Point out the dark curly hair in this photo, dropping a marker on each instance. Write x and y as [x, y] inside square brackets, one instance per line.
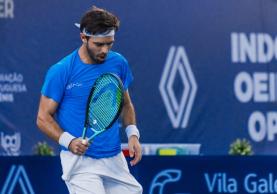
[97, 20]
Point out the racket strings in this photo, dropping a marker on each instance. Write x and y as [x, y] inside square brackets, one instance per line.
[100, 122]
[103, 110]
[106, 102]
[95, 118]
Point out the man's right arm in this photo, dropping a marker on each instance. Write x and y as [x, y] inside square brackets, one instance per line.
[48, 125]
[45, 118]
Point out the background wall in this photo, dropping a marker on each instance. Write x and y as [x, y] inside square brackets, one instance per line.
[205, 71]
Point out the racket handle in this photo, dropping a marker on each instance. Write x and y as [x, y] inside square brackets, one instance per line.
[68, 170]
[84, 141]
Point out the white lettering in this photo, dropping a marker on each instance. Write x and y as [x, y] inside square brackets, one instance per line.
[262, 126]
[13, 88]
[11, 77]
[257, 126]
[272, 125]
[253, 47]
[265, 48]
[243, 87]
[6, 9]
[260, 87]
[6, 97]
[234, 48]
[247, 48]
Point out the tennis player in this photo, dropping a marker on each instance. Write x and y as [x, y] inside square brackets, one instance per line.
[102, 168]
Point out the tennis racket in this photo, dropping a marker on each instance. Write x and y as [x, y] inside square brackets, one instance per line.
[103, 108]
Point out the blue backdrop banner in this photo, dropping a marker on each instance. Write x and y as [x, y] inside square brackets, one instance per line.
[157, 175]
[205, 71]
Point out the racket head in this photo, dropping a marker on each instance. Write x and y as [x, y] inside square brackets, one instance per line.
[104, 103]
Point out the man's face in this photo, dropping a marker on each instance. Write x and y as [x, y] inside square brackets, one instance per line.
[99, 47]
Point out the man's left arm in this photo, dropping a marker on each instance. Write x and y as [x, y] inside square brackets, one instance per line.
[129, 122]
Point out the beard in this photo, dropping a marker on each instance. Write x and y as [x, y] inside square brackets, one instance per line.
[93, 56]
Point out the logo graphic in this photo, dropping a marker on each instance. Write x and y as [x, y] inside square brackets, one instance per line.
[164, 177]
[11, 144]
[177, 62]
[72, 85]
[17, 174]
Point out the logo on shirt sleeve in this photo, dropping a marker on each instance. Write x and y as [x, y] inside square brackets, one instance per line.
[73, 85]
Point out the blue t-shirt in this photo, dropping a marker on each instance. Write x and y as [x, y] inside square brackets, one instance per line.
[69, 83]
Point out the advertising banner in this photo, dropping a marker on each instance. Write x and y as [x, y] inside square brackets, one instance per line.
[204, 71]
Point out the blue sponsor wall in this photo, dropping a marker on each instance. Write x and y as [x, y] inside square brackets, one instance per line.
[205, 71]
[157, 175]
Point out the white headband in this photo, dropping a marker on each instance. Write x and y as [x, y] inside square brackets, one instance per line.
[107, 33]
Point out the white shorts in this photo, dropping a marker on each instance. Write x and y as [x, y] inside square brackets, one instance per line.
[100, 176]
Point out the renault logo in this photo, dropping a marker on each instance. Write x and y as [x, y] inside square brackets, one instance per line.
[178, 111]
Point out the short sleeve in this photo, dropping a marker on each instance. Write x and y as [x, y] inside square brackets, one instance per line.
[127, 76]
[55, 82]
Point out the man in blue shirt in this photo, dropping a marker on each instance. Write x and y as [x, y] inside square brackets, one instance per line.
[102, 168]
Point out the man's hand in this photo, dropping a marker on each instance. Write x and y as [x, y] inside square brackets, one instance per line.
[78, 146]
[134, 149]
